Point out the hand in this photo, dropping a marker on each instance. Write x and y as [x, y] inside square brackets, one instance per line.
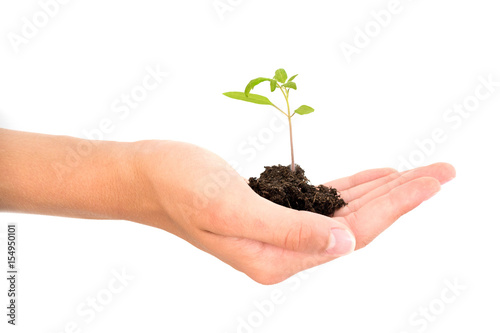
[377, 198]
[197, 196]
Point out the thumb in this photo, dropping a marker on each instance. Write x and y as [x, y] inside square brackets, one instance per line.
[299, 231]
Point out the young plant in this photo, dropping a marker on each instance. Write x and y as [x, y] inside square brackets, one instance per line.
[278, 81]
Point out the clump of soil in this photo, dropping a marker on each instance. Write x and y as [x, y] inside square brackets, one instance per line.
[292, 189]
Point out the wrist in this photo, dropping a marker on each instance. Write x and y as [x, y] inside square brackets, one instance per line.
[161, 189]
[135, 202]
[145, 178]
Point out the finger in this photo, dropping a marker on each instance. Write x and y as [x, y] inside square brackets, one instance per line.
[264, 263]
[370, 220]
[301, 231]
[442, 172]
[356, 192]
[359, 178]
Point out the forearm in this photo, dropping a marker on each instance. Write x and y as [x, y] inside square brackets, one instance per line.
[65, 176]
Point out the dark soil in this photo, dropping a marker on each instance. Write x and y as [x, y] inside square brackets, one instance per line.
[292, 189]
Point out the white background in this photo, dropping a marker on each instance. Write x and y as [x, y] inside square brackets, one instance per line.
[369, 113]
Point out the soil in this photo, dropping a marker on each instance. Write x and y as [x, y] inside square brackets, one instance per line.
[292, 189]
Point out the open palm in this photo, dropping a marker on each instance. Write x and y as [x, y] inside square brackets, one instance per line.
[376, 199]
[266, 241]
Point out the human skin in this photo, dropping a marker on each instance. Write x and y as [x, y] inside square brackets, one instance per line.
[194, 194]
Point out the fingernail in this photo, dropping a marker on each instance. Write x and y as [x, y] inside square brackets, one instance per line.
[342, 242]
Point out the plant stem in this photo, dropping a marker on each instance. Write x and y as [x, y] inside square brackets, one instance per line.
[289, 116]
[291, 142]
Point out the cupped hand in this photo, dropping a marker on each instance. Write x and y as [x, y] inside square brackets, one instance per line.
[197, 196]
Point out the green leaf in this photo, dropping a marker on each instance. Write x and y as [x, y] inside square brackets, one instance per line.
[274, 83]
[290, 85]
[304, 109]
[280, 75]
[293, 77]
[253, 83]
[252, 98]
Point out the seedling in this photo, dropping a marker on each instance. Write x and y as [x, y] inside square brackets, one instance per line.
[278, 81]
[288, 186]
